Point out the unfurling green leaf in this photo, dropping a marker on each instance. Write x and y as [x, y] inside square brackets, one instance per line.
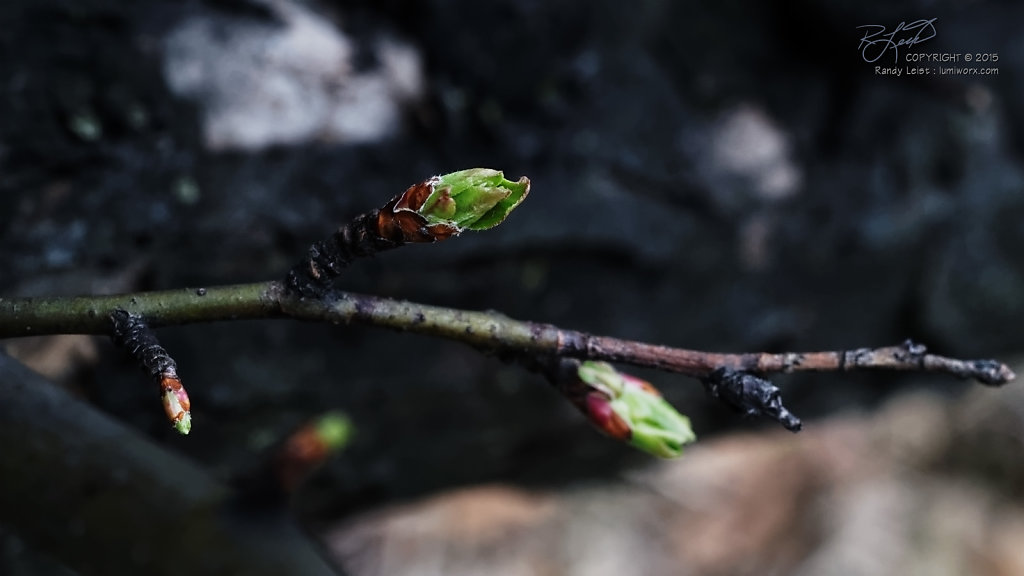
[474, 199]
[654, 425]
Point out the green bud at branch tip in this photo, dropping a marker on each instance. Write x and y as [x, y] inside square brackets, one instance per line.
[184, 424]
[474, 199]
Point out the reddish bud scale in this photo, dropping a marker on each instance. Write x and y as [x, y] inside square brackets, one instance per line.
[394, 225]
[399, 221]
[131, 332]
[430, 211]
[176, 402]
[599, 411]
[301, 453]
[641, 384]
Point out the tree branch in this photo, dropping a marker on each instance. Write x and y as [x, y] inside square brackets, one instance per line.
[493, 331]
[488, 331]
[431, 211]
[90, 314]
[131, 333]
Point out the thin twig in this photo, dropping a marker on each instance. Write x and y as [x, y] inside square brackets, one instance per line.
[484, 330]
[37, 316]
[131, 332]
[493, 331]
[433, 210]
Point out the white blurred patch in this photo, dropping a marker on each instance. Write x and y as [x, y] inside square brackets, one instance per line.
[261, 84]
[746, 143]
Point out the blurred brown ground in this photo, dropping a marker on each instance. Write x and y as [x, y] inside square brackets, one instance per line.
[924, 485]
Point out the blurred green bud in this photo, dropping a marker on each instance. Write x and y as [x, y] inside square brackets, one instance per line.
[334, 429]
[474, 199]
[307, 448]
[654, 426]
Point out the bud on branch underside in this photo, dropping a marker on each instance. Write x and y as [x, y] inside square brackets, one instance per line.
[630, 409]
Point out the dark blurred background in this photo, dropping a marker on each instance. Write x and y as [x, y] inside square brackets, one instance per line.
[718, 175]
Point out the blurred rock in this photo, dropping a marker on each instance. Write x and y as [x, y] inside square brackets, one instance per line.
[746, 143]
[473, 525]
[288, 80]
[59, 358]
[852, 494]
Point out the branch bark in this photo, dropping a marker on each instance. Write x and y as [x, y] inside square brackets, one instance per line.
[107, 474]
[488, 331]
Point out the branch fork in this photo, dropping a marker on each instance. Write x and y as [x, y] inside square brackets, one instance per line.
[436, 209]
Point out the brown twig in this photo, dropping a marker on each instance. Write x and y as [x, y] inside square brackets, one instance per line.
[492, 331]
[908, 356]
[131, 333]
[484, 330]
[378, 230]
[433, 210]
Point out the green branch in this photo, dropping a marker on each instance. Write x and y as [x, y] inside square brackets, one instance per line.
[487, 331]
[90, 314]
[434, 210]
